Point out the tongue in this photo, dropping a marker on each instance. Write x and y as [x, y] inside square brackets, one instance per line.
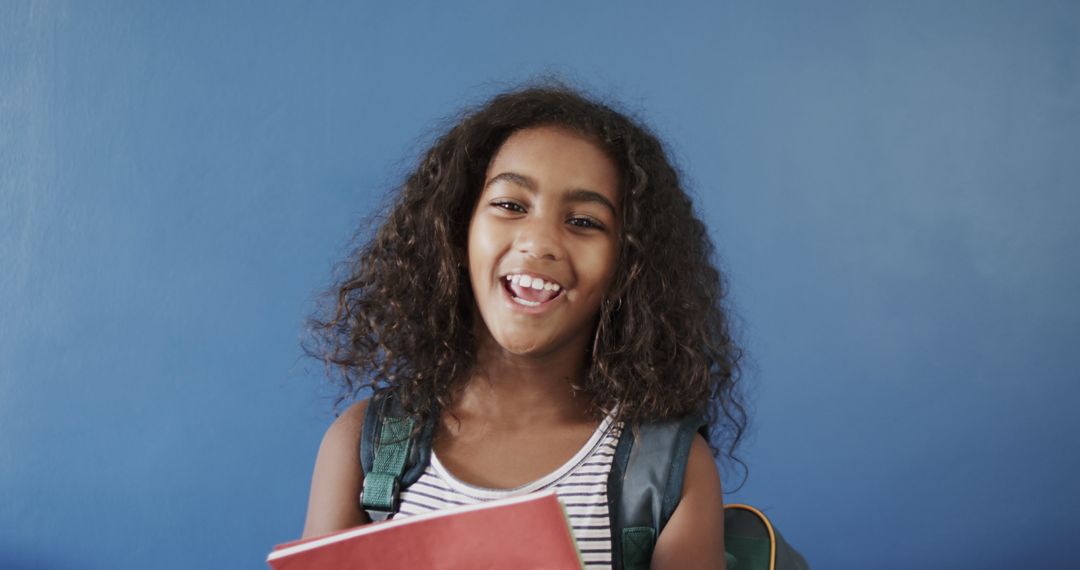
[534, 295]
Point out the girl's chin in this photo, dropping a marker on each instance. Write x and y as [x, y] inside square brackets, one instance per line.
[525, 344]
[522, 348]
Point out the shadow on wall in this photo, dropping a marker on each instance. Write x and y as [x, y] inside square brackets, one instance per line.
[15, 558]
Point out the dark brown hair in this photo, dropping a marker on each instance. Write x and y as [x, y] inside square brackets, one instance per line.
[400, 315]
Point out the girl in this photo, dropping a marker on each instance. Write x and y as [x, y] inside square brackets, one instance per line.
[540, 282]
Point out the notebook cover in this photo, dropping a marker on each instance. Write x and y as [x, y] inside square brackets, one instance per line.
[530, 531]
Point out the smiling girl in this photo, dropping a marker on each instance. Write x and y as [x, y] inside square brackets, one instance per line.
[540, 284]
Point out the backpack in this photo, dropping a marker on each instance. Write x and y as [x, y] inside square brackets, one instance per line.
[644, 487]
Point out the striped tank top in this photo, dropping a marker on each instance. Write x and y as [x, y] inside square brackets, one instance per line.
[581, 484]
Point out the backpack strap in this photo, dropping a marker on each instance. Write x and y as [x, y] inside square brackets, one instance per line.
[393, 454]
[753, 543]
[645, 486]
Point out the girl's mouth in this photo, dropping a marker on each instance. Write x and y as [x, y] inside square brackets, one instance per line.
[529, 300]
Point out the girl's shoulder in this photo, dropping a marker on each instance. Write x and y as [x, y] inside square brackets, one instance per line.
[347, 429]
[338, 478]
[344, 433]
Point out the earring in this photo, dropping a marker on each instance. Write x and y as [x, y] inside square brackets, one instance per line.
[596, 339]
[618, 305]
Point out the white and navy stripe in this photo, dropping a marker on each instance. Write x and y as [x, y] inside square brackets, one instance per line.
[581, 485]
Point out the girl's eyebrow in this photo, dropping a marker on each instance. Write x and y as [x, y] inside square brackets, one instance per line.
[574, 195]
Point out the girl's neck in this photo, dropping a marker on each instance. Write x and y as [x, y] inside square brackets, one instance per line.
[525, 389]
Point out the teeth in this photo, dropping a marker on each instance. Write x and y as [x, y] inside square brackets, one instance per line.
[533, 282]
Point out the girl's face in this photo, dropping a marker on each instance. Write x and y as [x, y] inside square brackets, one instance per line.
[548, 210]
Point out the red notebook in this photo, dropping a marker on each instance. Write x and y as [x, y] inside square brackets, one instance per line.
[530, 531]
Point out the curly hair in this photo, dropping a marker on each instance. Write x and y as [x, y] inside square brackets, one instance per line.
[401, 316]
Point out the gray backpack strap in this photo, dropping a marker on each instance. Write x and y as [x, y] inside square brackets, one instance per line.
[393, 454]
[645, 486]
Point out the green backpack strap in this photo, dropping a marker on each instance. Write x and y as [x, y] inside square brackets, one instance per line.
[645, 485]
[392, 454]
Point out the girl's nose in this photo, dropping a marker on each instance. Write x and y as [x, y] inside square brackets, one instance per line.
[540, 239]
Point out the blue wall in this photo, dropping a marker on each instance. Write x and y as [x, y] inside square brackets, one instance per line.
[893, 188]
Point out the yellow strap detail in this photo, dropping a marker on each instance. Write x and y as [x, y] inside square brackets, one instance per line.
[768, 525]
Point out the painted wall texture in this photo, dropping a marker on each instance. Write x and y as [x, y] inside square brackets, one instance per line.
[893, 188]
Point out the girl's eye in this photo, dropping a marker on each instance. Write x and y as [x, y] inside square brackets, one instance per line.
[586, 223]
[508, 206]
